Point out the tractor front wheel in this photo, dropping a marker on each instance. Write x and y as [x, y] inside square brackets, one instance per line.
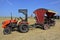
[6, 31]
[23, 28]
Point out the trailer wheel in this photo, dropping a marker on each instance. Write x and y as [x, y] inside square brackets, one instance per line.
[23, 28]
[46, 26]
[6, 31]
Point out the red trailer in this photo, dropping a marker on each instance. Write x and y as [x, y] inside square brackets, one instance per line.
[42, 20]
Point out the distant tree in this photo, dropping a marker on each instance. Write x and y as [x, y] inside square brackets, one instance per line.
[59, 17]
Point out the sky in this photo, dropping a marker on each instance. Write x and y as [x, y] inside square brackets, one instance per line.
[8, 6]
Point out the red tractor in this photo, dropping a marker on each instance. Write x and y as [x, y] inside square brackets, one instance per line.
[44, 21]
[22, 26]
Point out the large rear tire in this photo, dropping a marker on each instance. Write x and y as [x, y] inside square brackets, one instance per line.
[23, 28]
[7, 31]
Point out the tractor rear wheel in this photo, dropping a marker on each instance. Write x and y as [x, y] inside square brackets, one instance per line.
[23, 28]
[6, 31]
[46, 26]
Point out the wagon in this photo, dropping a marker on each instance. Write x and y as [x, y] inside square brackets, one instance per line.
[44, 18]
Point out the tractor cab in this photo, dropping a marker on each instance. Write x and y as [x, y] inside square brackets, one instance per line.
[24, 12]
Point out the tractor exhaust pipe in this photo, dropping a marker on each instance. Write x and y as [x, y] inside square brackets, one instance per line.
[11, 16]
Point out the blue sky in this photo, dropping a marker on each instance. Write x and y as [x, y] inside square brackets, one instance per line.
[8, 6]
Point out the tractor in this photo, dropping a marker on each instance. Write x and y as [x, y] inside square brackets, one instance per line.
[44, 18]
[21, 26]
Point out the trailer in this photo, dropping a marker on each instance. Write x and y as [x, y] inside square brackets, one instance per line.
[44, 21]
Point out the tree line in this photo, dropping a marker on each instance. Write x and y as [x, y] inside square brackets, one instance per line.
[57, 17]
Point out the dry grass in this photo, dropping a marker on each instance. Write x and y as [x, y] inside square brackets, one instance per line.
[36, 34]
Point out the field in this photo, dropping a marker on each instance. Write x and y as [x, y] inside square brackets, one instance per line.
[34, 33]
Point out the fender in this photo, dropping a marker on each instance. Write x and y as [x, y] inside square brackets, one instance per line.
[22, 22]
[6, 22]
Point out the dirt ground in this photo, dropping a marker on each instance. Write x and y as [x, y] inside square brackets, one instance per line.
[34, 34]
